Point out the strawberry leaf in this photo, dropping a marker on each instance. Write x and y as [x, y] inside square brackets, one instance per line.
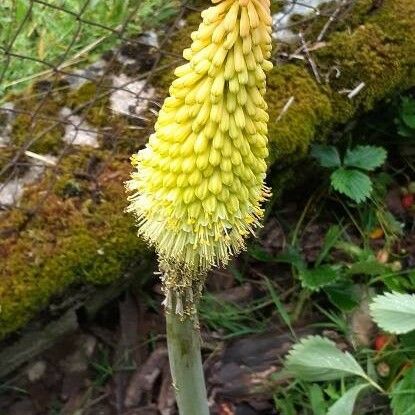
[352, 183]
[365, 157]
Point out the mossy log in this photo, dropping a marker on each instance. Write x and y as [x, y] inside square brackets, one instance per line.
[378, 53]
[70, 241]
[75, 239]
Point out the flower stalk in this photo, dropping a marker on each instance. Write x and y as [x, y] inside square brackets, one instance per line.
[186, 365]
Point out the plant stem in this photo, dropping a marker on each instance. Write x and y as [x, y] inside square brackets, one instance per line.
[183, 341]
[302, 299]
[375, 385]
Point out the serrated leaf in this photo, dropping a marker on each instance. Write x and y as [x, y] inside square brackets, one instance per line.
[319, 277]
[327, 156]
[365, 157]
[345, 405]
[403, 395]
[352, 183]
[317, 359]
[394, 312]
[342, 295]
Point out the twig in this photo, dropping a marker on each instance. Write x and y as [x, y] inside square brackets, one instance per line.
[309, 58]
[285, 108]
[43, 159]
[356, 90]
[331, 19]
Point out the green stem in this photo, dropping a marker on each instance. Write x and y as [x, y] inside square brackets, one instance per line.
[302, 298]
[375, 385]
[183, 341]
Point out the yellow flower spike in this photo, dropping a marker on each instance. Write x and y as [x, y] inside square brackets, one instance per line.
[199, 183]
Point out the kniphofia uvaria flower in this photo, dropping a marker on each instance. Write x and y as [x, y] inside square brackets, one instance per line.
[199, 183]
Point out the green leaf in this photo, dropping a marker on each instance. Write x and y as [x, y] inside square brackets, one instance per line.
[370, 267]
[285, 405]
[332, 236]
[408, 112]
[21, 10]
[327, 156]
[365, 157]
[352, 250]
[394, 312]
[345, 405]
[259, 253]
[390, 223]
[352, 183]
[409, 120]
[317, 359]
[405, 131]
[407, 341]
[403, 395]
[317, 402]
[279, 305]
[319, 277]
[342, 295]
[293, 257]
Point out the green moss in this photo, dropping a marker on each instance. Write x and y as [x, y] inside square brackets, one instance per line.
[6, 155]
[91, 99]
[36, 122]
[81, 234]
[276, 6]
[66, 183]
[70, 241]
[309, 113]
[380, 53]
[82, 96]
[349, 20]
[128, 138]
[359, 13]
